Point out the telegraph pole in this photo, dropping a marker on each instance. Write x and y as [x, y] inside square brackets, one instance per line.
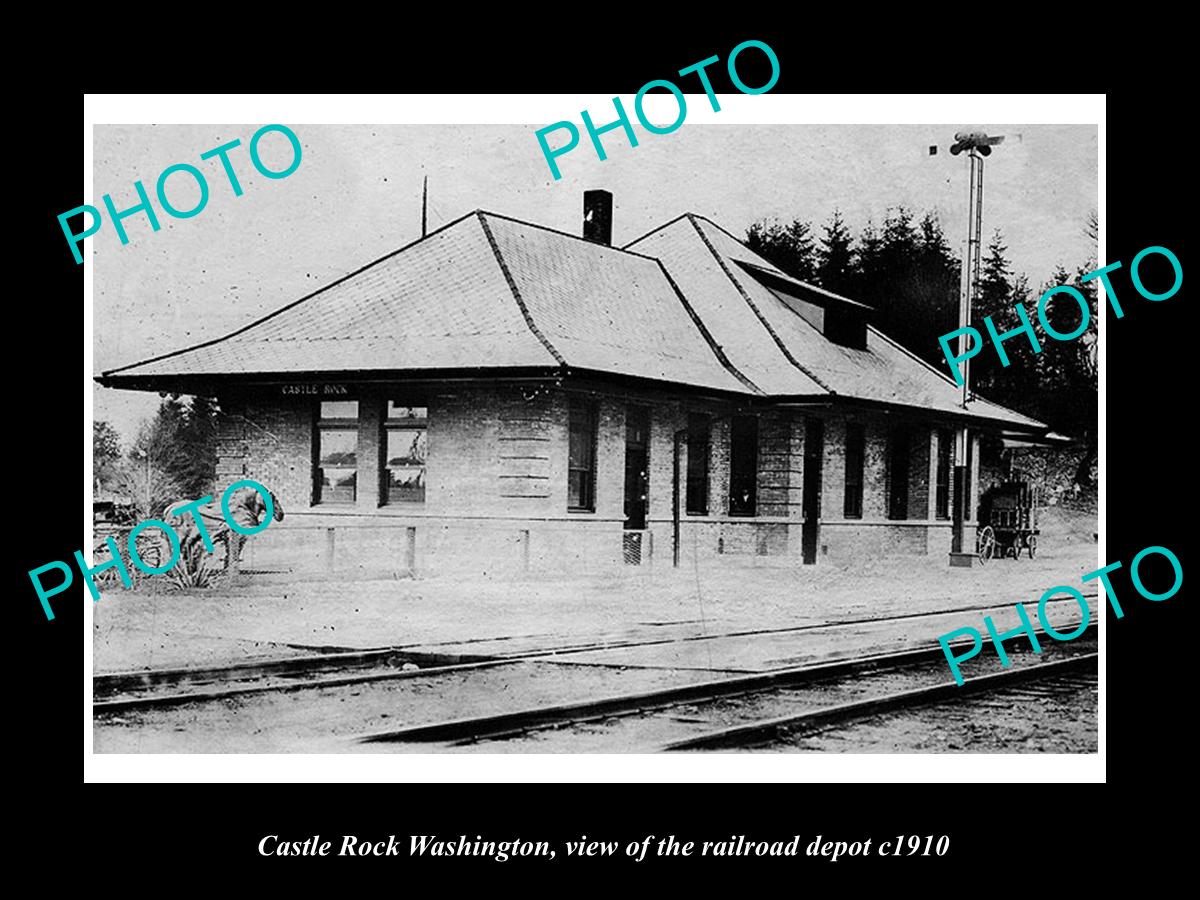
[978, 145]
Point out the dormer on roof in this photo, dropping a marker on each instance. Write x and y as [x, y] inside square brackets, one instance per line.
[839, 319]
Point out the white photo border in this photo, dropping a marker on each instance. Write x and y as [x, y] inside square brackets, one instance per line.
[490, 109]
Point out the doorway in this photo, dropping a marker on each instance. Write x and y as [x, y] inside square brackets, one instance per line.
[637, 470]
[637, 482]
[814, 453]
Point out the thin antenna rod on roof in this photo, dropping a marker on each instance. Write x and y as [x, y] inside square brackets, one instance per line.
[424, 205]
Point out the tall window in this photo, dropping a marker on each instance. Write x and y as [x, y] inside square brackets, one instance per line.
[743, 466]
[581, 457]
[404, 451]
[852, 506]
[898, 452]
[942, 509]
[335, 475]
[697, 464]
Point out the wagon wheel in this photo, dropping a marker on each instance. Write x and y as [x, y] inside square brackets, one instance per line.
[1032, 545]
[150, 550]
[985, 544]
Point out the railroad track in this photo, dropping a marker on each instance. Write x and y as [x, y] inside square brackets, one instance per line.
[164, 688]
[278, 681]
[787, 727]
[737, 711]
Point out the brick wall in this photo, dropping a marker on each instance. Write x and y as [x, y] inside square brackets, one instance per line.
[665, 420]
[875, 470]
[919, 485]
[270, 442]
[833, 471]
[496, 487]
[846, 540]
[779, 468]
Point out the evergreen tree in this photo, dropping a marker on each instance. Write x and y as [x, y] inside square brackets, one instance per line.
[907, 272]
[178, 449]
[835, 257]
[106, 444]
[157, 453]
[995, 297]
[939, 276]
[1085, 377]
[909, 277]
[198, 468]
[866, 273]
[1058, 385]
[803, 249]
[790, 247]
[995, 280]
[1062, 313]
[899, 235]
[1067, 371]
[106, 455]
[1020, 292]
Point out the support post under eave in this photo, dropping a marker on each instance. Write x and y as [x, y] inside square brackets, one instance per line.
[960, 556]
[679, 435]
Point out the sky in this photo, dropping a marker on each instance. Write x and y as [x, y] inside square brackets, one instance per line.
[356, 196]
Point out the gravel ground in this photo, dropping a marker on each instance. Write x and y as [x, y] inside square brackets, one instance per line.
[936, 727]
[328, 719]
[1049, 717]
[263, 620]
[325, 720]
[138, 631]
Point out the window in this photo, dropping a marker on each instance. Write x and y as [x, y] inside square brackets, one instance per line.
[852, 505]
[743, 466]
[697, 464]
[581, 457]
[942, 510]
[335, 476]
[404, 448]
[898, 474]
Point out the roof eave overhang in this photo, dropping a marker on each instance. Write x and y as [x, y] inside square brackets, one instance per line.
[1035, 430]
[1013, 439]
[584, 377]
[216, 383]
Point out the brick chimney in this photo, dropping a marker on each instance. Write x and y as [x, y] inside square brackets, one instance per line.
[597, 216]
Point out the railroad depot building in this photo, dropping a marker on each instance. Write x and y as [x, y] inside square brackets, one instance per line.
[503, 397]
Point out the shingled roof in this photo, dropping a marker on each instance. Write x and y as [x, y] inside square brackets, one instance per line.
[780, 349]
[484, 292]
[487, 293]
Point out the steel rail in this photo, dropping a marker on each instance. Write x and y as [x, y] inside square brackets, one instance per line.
[510, 724]
[104, 686]
[768, 730]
